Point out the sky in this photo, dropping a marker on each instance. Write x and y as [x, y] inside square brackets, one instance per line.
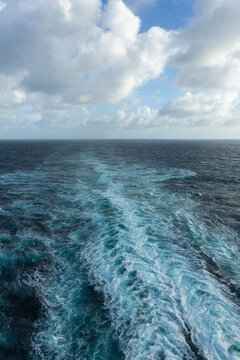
[85, 69]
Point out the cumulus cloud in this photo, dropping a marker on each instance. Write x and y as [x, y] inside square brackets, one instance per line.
[189, 110]
[83, 51]
[62, 55]
[210, 47]
[201, 109]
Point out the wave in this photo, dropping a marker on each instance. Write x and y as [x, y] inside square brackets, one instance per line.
[146, 257]
[119, 267]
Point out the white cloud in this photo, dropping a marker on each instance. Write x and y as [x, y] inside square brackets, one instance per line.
[10, 94]
[20, 96]
[61, 56]
[66, 7]
[210, 55]
[2, 5]
[80, 50]
[14, 108]
[190, 110]
[201, 109]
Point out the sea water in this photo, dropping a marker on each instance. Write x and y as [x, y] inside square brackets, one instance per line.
[119, 250]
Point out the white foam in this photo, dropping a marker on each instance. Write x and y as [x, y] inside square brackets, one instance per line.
[156, 288]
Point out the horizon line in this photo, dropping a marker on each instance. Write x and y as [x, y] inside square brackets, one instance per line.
[120, 139]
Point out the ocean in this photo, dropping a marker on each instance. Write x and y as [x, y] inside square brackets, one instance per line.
[115, 250]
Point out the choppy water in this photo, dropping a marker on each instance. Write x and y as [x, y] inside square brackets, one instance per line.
[120, 250]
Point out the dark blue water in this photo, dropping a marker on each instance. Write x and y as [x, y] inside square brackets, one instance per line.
[120, 250]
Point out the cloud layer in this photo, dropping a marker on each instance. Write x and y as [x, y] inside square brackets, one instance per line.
[59, 56]
[189, 110]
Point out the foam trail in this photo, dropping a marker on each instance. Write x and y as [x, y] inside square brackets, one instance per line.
[76, 324]
[162, 301]
[49, 309]
[123, 268]
[104, 259]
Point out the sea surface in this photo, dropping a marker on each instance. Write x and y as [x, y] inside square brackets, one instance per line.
[113, 250]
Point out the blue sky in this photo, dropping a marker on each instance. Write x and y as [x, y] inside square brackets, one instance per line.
[168, 14]
[115, 69]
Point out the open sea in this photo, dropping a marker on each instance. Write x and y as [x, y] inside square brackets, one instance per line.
[114, 250]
